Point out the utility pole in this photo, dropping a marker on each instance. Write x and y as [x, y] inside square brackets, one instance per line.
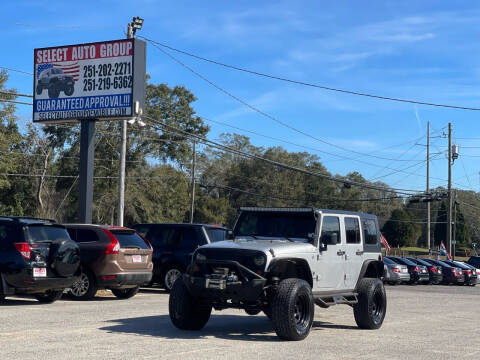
[131, 29]
[454, 241]
[428, 184]
[449, 190]
[192, 199]
[123, 151]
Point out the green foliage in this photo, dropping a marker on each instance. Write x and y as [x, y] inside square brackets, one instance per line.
[401, 230]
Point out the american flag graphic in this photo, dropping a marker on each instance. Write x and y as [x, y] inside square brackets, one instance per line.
[71, 68]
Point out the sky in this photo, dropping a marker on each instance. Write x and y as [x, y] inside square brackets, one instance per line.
[426, 51]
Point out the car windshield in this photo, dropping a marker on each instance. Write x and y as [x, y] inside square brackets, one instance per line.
[45, 233]
[404, 261]
[419, 261]
[294, 226]
[216, 234]
[440, 262]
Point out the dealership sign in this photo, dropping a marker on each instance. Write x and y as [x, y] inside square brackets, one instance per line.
[104, 80]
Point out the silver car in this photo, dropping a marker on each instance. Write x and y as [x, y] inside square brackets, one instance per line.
[395, 273]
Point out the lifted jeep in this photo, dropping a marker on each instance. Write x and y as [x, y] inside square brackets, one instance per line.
[282, 261]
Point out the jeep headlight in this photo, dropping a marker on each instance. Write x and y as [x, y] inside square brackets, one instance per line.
[200, 258]
[259, 260]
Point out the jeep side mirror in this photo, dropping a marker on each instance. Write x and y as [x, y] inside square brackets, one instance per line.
[323, 246]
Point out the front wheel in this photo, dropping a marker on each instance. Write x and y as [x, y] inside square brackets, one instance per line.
[293, 309]
[371, 308]
[186, 311]
[53, 92]
[49, 297]
[125, 293]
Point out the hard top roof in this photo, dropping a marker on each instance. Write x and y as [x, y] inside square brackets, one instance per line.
[306, 210]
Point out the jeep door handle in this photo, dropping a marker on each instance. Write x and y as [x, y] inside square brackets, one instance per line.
[359, 252]
[340, 252]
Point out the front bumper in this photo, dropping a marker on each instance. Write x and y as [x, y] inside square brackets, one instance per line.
[247, 288]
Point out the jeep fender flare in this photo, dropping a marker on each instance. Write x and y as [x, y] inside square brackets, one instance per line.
[371, 269]
[290, 267]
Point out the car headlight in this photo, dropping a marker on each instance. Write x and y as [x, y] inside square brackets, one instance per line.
[259, 260]
[200, 258]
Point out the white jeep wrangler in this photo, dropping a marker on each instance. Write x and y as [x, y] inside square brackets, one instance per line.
[282, 261]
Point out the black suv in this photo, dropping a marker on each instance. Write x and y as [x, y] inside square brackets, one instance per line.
[173, 247]
[55, 80]
[37, 257]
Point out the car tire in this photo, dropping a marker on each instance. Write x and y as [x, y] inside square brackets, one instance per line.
[69, 90]
[187, 312]
[268, 312]
[49, 297]
[85, 287]
[53, 92]
[293, 309]
[125, 293]
[170, 275]
[370, 310]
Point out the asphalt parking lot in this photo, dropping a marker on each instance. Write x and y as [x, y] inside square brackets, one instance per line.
[422, 322]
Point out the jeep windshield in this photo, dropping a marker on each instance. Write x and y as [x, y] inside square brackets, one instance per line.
[293, 226]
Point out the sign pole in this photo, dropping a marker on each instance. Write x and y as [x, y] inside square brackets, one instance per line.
[85, 199]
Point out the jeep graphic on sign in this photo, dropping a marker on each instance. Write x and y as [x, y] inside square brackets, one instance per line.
[55, 80]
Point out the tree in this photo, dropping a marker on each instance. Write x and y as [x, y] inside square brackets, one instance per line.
[400, 230]
[440, 234]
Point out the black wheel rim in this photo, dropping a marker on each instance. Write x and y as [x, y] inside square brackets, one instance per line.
[302, 313]
[377, 308]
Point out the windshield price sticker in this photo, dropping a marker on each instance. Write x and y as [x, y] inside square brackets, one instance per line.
[89, 81]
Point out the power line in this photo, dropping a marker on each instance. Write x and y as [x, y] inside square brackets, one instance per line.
[351, 92]
[16, 102]
[15, 94]
[276, 163]
[15, 70]
[251, 107]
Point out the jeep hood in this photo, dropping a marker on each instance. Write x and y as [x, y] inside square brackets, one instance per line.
[279, 246]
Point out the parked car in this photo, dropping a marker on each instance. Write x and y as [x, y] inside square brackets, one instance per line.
[470, 275]
[37, 257]
[474, 270]
[418, 273]
[434, 271]
[395, 273]
[173, 247]
[474, 261]
[451, 275]
[112, 257]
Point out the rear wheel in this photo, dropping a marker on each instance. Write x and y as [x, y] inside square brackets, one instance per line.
[293, 309]
[125, 293]
[186, 311]
[371, 308]
[171, 274]
[50, 296]
[69, 90]
[85, 287]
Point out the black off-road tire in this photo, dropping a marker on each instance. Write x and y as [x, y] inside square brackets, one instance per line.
[53, 92]
[371, 308]
[293, 309]
[49, 297]
[89, 285]
[125, 293]
[268, 312]
[186, 311]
